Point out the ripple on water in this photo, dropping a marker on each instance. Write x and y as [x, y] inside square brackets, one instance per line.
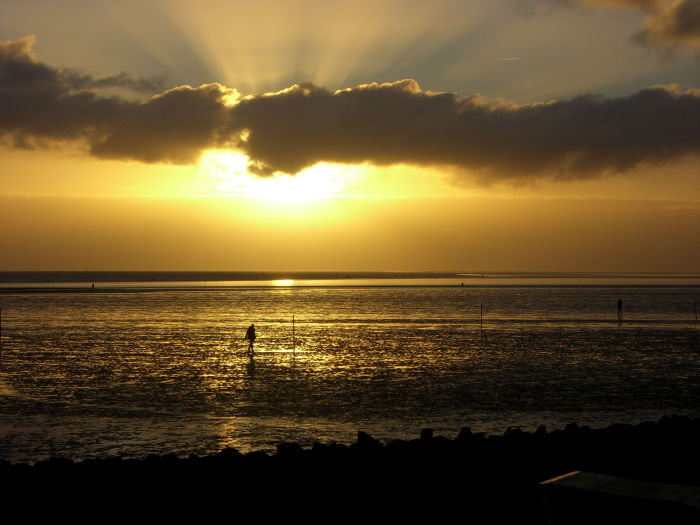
[139, 373]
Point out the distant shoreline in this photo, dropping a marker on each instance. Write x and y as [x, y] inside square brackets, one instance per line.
[103, 282]
[213, 276]
[170, 276]
[202, 289]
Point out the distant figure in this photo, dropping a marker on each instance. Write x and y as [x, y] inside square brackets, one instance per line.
[250, 337]
[619, 309]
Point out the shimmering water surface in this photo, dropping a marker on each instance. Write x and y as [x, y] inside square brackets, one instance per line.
[131, 372]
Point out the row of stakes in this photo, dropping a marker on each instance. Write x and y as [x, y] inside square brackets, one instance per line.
[481, 321]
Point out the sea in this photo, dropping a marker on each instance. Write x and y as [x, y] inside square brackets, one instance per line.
[128, 364]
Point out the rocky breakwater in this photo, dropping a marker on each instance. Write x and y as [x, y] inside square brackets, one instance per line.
[470, 479]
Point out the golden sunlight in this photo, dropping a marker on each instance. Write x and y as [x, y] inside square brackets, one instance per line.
[315, 183]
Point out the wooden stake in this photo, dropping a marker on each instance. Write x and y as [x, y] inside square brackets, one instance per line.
[481, 316]
[294, 339]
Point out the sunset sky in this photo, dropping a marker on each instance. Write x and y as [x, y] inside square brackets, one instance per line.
[543, 135]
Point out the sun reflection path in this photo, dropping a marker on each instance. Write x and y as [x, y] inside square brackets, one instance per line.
[318, 182]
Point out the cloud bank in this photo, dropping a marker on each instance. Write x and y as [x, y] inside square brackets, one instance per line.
[381, 124]
[398, 122]
[673, 25]
[40, 104]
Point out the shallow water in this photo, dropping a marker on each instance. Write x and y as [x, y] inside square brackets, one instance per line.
[131, 373]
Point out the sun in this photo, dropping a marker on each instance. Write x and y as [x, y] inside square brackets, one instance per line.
[320, 181]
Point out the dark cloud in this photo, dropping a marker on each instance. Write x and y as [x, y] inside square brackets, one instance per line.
[40, 104]
[381, 124]
[642, 5]
[674, 25]
[78, 80]
[540, 7]
[399, 123]
[19, 65]
[668, 24]
[175, 126]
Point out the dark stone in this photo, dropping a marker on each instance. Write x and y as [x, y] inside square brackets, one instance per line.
[60, 462]
[404, 481]
[464, 434]
[365, 440]
[229, 453]
[289, 450]
[513, 433]
[257, 455]
[338, 450]
[571, 428]
[397, 446]
[170, 459]
[319, 448]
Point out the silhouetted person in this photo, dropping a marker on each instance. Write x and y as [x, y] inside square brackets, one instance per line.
[619, 309]
[250, 337]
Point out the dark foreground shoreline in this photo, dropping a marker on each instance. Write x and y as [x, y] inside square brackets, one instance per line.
[469, 479]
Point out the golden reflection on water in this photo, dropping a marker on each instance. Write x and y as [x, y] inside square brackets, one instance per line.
[168, 371]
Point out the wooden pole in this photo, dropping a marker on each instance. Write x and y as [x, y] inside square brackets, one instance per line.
[481, 316]
[294, 339]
